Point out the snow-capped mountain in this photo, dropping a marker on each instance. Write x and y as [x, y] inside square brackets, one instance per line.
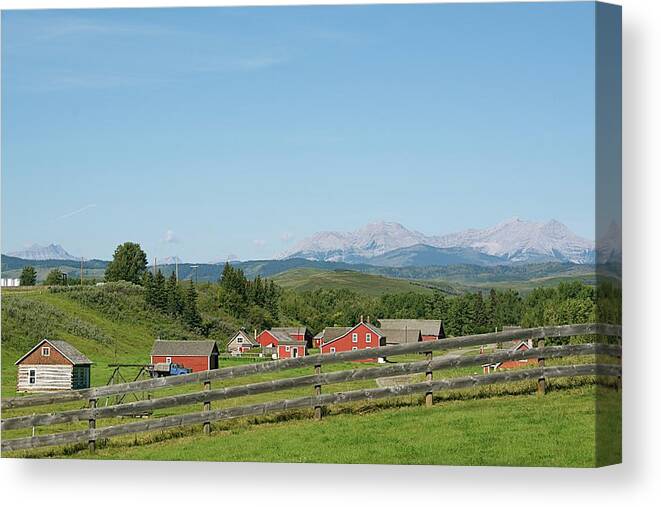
[42, 253]
[524, 241]
[372, 240]
[511, 241]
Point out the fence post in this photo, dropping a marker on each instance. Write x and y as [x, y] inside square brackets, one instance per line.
[92, 426]
[207, 408]
[618, 386]
[541, 382]
[429, 395]
[317, 392]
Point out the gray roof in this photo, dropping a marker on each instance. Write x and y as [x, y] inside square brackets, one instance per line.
[426, 327]
[292, 330]
[71, 352]
[284, 337]
[401, 335]
[183, 348]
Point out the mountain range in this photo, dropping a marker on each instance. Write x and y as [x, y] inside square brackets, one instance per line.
[42, 253]
[392, 244]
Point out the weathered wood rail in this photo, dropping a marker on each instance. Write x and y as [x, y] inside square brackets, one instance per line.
[319, 400]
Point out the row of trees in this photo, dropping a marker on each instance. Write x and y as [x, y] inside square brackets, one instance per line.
[168, 297]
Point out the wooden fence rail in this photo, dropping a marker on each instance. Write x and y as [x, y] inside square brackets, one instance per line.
[92, 435]
[207, 396]
[313, 361]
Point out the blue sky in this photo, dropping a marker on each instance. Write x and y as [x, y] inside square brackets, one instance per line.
[206, 133]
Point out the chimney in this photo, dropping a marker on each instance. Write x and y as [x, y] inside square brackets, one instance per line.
[368, 319]
[361, 318]
[255, 334]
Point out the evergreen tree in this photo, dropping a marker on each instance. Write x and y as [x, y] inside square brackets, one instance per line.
[191, 314]
[28, 276]
[160, 293]
[174, 298]
[148, 283]
[55, 277]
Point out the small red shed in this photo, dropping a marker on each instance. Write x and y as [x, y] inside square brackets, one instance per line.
[198, 355]
[516, 363]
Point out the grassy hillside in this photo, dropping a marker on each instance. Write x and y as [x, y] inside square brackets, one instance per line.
[304, 279]
[109, 324]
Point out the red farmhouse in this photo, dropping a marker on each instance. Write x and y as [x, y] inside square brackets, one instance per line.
[198, 355]
[282, 345]
[300, 334]
[362, 336]
[516, 363]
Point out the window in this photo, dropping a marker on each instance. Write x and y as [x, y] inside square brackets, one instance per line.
[168, 360]
[287, 348]
[368, 337]
[32, 376]
[354, 348]
[239, 339]
[45, 351]
[354, 337]
[332, 350]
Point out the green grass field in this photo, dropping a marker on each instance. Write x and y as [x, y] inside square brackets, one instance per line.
[305, 279]
[555, 430]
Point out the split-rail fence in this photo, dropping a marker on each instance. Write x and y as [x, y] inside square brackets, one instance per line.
[94, 411]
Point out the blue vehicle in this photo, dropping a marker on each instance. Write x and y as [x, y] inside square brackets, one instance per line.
[169, 369]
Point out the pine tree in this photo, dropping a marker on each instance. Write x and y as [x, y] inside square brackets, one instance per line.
[148, 283]
[191, 315]
[160, 294]
[174, 297]
[28, 276]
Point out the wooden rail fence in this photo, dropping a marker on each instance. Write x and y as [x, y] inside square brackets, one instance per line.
[317, 380]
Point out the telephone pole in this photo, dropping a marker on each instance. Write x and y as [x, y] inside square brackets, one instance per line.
[82, 259]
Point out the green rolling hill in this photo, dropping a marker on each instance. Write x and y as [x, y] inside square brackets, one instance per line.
[304, 279]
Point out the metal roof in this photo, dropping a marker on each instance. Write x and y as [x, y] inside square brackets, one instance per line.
[69, 351]
[183, 348]
[400, 336]
[426, 326]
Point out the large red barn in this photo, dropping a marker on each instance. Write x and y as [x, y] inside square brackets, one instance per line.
[361, 336]
[198, 355]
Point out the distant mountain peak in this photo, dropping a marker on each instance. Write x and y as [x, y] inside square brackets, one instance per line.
[513, 240]
[37, 252]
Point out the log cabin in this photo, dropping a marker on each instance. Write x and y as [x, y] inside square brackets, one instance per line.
[53, 365]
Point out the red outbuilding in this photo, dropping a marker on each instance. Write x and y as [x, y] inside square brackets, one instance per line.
[198, 355]
[280, 345]
[515, 363]
[300, 334]
[361, 336]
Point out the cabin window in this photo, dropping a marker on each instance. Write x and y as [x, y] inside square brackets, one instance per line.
[287, 348]
[354, 337]
[168, 360]
[368, 337]
[239, 339]
[32, 376]
[332, 350]
[45, 351]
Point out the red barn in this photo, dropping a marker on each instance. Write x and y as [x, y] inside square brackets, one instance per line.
[281, 344]
[516, 363]
[198, 355]
[301, 334]
[429, 329]
[361, 336]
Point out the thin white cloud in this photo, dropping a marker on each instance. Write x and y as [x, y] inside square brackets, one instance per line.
[170, 237]
[76, 212]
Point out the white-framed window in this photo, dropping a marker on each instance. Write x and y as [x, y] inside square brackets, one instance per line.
[332, 350]
[168, 360]
[287, 348]
[368, 337]
[354, 348]
[45, 351]
[354, 337]
[32, 376]
[239, 339]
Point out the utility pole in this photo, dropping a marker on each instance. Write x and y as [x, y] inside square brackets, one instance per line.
[154, 266]
[82, 259]
[176, 268]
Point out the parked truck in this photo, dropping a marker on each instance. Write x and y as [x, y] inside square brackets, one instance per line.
[168, 370]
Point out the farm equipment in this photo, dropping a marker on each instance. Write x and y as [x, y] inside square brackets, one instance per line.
[169, 370]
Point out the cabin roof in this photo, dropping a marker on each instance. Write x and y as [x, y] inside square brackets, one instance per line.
[427, 327]
[292, 330]
[246, 336]
[69, 351]
[183, 348]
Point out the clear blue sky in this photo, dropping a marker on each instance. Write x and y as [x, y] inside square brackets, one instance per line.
[205, 133]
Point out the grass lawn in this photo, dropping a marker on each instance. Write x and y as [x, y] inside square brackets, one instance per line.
[555, 430]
